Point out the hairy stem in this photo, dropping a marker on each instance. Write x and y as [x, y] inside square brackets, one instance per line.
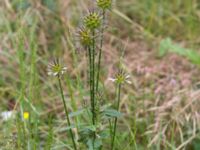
[93, 78]
[66, 112]
[93, 85]
[115, 121]
[91, 81]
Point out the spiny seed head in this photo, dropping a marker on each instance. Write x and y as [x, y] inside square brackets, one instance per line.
[85, 37]
[121, 78]
[55, 69]
[92, 20]
[104, 4]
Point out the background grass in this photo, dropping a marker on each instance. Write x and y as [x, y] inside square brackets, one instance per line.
[161, 107]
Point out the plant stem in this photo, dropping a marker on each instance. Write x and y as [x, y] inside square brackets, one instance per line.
[93, 79]
[73, 102]
[100, 52]
[66, 112]
[110, 127]
[115, 121]
[93, 86]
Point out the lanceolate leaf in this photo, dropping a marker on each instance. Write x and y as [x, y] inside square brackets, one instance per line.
[112, 113]
[76, 113]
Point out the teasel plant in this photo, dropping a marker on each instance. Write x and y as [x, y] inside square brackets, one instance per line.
[91, 37]
[57, 70]
[93, 29]
[88, 38]
[120, 78]
[94, 22]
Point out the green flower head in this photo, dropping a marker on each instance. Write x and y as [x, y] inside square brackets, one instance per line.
[104, 4]
[85, 37]
[121, 78]
[92, 20]
[55, 69]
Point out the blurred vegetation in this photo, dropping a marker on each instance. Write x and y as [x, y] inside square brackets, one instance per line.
[157, 115]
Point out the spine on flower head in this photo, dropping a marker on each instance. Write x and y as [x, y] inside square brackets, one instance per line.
[85, 37]
[92, 21]
[104, 4]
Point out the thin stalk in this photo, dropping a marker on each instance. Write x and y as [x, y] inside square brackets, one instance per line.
[22, 72]
[115, 121]
[21, 58]
[93, 85]
[66, 112]
[93, 78]
[100, 51]
[73, 102]
[21, 64]
[21, 143]
[91, 81]
[110, 127]
[90, 52]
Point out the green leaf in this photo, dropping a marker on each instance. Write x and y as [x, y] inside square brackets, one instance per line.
[86, 131]
[167, 45]
[92, 128]
[90, 144]
[66, 128]
[164, 46]
[104, 134]
[51, 4]
[21, 4]
[97, 144]
[76, 113]
[195, 144]
[112, 113]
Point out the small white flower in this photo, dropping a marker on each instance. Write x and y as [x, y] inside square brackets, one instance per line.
[6, 115]
[55, 69]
